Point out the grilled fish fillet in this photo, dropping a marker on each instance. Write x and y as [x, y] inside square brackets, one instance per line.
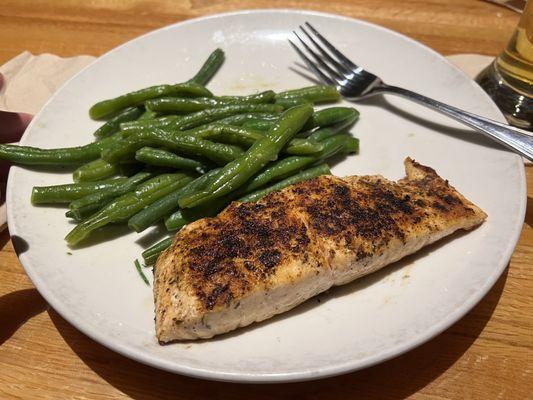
[256, 260]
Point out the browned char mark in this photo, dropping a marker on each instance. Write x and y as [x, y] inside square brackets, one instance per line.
[243, 247]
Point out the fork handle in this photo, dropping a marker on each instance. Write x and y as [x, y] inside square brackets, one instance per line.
[519, 140]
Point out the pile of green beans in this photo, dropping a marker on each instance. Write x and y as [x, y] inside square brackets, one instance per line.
[175, 153]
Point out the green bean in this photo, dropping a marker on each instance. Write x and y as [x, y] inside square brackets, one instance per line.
[335, 144]
[162, 207]
[113, 125]
[228, 134]
[237, 172]
[163, 158]
[100, 169]
[259, 125]
[112, 106]
[181, 142]
[140, 272]
[127, 147]
[351, 145]
[242, 136]
[88, 205]
[64, 156]
[156, 211]
[328, 131]
[122, 208]
[92, 202]
[301, 146]
[313, 94]
[288, 102]
[154, 185]
[209, 68]
[200, 183]
[160, 122]
[231, 114]
[176, 221]
[180, 218]
[310, 173]
[151, 260]
[69, 192]
[147, 114]
[95, 170]
[331, 116]
[181, 105]
[267, 96]
[278, 170]
[79, 215]
[240, 119]
[170, 120]
[151, 254]
[70, 214]
[185, 105]
[213, 114]
[289, 165]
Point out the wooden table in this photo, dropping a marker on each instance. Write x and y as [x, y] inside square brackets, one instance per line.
[486, 355]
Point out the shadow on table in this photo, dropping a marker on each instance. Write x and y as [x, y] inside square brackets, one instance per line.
[528, 220]
[4, 238]
[397, 378]
[18, 307]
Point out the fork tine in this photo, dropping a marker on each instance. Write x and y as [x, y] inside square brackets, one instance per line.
[332, 73]
[323, 77]
[332, 48]
[340, 67]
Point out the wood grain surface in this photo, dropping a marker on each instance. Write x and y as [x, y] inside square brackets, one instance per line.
[486, 355]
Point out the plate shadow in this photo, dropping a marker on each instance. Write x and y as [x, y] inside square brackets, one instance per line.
[529, 212]
[18, 307]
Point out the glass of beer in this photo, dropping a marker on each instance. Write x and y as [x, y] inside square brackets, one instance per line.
[509, 79]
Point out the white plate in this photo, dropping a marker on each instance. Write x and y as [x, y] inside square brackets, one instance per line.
[98, 290]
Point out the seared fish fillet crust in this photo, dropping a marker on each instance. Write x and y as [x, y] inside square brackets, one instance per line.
[256, 260]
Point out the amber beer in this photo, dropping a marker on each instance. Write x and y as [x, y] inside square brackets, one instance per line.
[509, 79]
[515, 64]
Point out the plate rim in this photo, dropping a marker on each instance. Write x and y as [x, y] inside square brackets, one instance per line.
[304, 374]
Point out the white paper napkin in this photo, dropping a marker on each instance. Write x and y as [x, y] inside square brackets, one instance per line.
[30, 80]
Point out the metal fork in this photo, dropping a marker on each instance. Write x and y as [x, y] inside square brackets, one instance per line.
[354, 83]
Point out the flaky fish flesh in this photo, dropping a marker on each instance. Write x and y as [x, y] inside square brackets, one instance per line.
[256, 260]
